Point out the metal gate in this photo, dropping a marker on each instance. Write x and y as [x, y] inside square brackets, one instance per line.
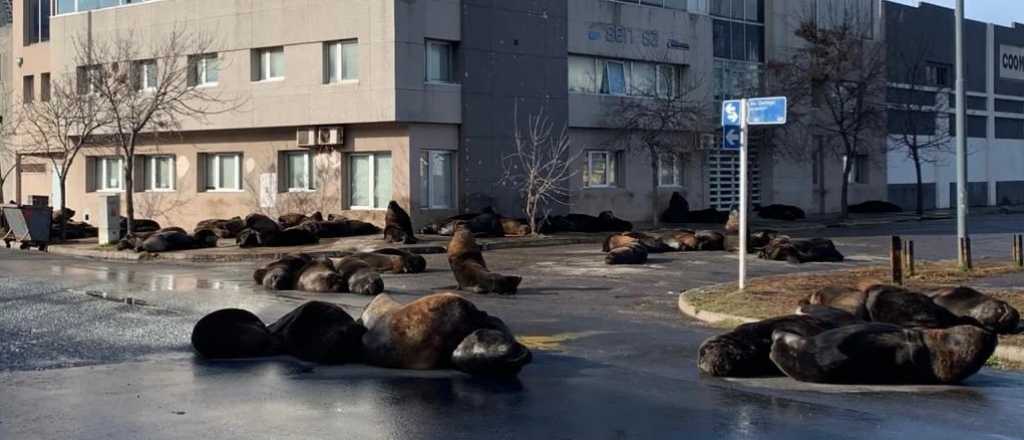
[723, 179]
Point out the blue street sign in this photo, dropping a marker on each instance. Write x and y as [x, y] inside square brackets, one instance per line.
[766, 111]
[731, 137]
[731, 112]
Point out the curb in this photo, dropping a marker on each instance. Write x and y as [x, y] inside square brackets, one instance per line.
[1003, 352]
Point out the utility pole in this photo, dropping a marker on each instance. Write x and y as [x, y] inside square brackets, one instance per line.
[963, 241]
[744, 191]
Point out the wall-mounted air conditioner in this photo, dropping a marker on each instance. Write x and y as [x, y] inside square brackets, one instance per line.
[330, 136]
[306, 137]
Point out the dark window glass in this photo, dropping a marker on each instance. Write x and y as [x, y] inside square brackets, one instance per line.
[1007, 106]
[1009, 128]
[755, 43]
[738, 41]
[721, 38]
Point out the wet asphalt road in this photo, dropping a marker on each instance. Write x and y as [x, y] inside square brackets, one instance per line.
[613, 360]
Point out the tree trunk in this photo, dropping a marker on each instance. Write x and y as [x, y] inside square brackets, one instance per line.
[844, 198]
[129, 191]
[656, 221]
[920, 184]
[63, 205]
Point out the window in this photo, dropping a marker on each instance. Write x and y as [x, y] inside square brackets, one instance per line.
[158, 173]
[44, 87]
[937, 74]
[436, 181]
[670, 170]
[37, 21]
[601, 169]
[439, 62]
[613, 82]
[582, 74]
[146, 75]
[268, 64]
[623, 78]
[28, 84]
[223, 171]
[88, 78]
[341, 61]
[369, 180]
[859, 170]
[70, 6]
[204, 70]
[298, 171]
[668, 81]
[644, 78]
[109, 173]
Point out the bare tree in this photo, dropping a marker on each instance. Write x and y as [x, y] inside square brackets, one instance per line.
[835, 81]
[541, 166]
[147, 89]
[913, 109]
[58, 128]
[661, 119]
[9, 118]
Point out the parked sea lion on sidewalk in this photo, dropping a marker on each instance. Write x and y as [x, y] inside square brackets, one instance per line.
[965, 302]
[899, 306]
[424, 334]
[232, 334]
[261, 223]
[223, 228]
[850, 300]
[320, 276]
[781, 212]
[678, 209]
[470, 270]
[398, 225]
[654, 245]
[801, 251]
[393, 260]
[358, 277]
[875, 353]
[744, 352]
[283, 273]
[710, 241]
[319, 332]
[633, 253]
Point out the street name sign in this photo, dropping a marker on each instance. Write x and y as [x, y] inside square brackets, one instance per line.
[766, 111]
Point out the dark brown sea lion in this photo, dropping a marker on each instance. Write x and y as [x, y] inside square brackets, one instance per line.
[965, 302]
[899, 306]
[877, 353]
[358, 277]
[319, 332]
[393, 260]
[283, 273]
[850, 300]
[261, 223]
[230, 334]
[801, 251]
[398, 225]
[490, 352]
[515, 227]
[633, 253]
[320, 276]
[223, 228]
[470, 270]
[654, 245]
[291, 220]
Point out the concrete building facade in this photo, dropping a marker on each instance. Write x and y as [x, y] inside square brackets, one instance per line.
[922, 100]
[418, 101]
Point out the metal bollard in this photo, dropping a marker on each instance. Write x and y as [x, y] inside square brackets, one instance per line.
[896, 260]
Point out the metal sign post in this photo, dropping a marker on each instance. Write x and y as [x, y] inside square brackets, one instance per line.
[737, 117]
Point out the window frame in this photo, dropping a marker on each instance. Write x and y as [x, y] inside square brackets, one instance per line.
[143, 69]
[309, 160]
[610, 173]
[450, 46]
[427, 190]
[103, 172]
[337, 48]
[28, 89]
[626, 73]
[372, 178]
[264, 64]
[149, 173]
[859, 169]
[201, 65]
[213, 172]
[677, 169]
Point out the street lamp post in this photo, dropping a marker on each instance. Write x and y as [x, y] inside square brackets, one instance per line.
[963, 241]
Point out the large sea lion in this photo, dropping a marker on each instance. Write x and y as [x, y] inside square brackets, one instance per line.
[398, 225]
[294, 236]
[393, 260]
[223, 228]
[710, 241]
[470, 270]
[283, 273]
[512, 227]
[899, 306]
[876, 353]
[853, 301]
[781, 212]
[744, 352]
[681, 240]
[654, 245]
[633, 253]
[261, 223]
[358, 276]
[424, 335]
[320, 276]
[230, 334]
[292, 220]
[965, 302]
[319, 332]
[677, 211]
[801, 251]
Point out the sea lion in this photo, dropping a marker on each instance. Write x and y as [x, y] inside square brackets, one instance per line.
[393, 260]
[398, 225]
[357, 276]
[654, 245]
[801, 251]
[850, 300]
[292, 220]
[283, 273]
[174, 239]
[223, 228]
[677, 211]
[781, 212]
[231, 334]
[319, 332]
[489, 352]
[261, 223]
[470, 269]
[511, 227]
[965, 302]
[320, 276]
[357, 227]
[294, 236]
[683, 240]
[875, 353]
[380, 306]
[899, 306]
[424, 334]
[710, 241]
[744, 352]
[633, 253]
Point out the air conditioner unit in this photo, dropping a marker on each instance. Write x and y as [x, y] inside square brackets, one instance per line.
[306, 137]
[330, 135]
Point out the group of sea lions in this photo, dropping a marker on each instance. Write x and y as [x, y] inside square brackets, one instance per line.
[877, 334]
[438, 331]
[489, 223]
[298, 229]
[634, 247]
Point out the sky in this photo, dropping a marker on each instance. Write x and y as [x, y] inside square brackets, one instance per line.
[1002, 12]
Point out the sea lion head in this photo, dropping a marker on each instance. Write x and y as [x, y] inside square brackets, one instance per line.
[997, 315]
[958, 352]
[414, 264]
[365, 282]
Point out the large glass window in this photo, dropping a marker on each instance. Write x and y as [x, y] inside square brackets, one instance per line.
[298, 171]
[71, 6]
[601, 169]
[582, 74]
[205, 70]
[37, 21]
[342, 61]
[146, 75]
[436, 179]
[268, 64]
[28, 88]
[670, 170]
[622, 78]
[109, 173]
[439, 62]
[158, 172]
[369, 180]
[614, 78]
[223, 171]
